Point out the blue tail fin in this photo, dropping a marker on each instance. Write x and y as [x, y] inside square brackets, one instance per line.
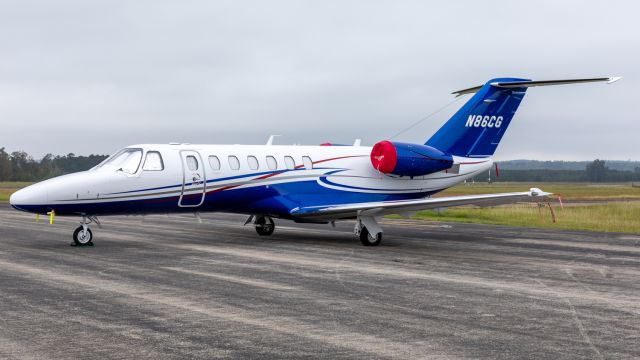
[476, 129]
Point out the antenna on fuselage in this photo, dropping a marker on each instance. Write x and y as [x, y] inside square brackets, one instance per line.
[270, 141]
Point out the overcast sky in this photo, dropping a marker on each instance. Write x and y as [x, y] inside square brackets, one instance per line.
[94, 76]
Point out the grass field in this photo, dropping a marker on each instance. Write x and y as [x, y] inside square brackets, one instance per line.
[608, 217]
[8, 188]
[618, 212]
[568, 191]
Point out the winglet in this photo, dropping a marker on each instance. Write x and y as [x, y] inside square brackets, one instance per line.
[535, 192]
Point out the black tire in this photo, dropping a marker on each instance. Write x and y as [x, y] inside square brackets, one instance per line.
[80, 240]
[369, 240]
[265, 226]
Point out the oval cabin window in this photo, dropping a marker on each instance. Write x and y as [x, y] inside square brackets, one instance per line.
[272, 163]
[234, 163]
[289, 162]
[214, 162]
[192, 163]
[253, 162]
[308, 163]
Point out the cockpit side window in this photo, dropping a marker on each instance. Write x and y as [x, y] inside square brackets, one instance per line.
[153, 162]
[126, 160]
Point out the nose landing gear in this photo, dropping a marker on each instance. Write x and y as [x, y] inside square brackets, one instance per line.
[83, 236]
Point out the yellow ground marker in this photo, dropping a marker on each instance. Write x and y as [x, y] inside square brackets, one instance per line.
[37, 218]
[51, 215]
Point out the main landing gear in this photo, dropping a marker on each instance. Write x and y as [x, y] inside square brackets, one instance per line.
[83, 236]
[368, 230]
[264, 224]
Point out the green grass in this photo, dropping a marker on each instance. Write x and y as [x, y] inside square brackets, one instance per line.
[569, 191]
[14, 184]
[9, 187]
[609, 217]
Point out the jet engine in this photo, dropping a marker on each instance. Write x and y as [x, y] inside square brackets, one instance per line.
[405, 159]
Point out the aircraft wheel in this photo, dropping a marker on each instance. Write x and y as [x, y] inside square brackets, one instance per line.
[80, 238]
[265, 226]
[369, 240]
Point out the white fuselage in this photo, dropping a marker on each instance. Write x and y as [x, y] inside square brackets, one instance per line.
[252, 179]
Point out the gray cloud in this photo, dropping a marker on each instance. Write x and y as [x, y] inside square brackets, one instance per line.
[91, 77]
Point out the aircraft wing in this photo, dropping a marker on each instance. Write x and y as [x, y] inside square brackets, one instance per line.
[380, 208]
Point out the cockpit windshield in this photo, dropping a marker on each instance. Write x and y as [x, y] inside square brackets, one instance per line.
[125, 160]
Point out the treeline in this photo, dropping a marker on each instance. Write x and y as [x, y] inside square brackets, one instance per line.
[561, 176]
[20, 166]
[595, 171]
[623, 165]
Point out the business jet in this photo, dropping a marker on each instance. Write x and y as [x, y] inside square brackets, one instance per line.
[305, 184]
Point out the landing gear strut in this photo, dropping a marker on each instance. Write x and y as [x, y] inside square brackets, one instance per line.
[368, 230]
[264, 225]
[82, 236]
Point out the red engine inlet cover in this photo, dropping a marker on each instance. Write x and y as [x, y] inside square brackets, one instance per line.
[384, 157]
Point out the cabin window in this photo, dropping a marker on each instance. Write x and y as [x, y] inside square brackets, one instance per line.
[126, 160]
[192, 163]
[234, 163]
[272, 163]
[308, 163]
[153, 162]
[253, 162]
[289, 162]
[214, 162]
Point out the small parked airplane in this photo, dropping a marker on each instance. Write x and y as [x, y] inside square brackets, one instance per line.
[307, 184]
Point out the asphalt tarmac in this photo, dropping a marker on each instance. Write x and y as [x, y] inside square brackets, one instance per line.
[163, 287]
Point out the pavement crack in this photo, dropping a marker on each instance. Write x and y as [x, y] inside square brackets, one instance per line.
[576, 318]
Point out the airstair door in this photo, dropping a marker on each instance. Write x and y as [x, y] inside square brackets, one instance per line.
[194, 181]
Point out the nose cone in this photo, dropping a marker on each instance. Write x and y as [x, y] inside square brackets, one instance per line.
[29, 198]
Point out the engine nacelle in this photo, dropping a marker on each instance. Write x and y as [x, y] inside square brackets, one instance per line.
[408, 159]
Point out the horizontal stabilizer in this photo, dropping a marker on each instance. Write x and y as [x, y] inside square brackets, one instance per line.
[530, 83]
